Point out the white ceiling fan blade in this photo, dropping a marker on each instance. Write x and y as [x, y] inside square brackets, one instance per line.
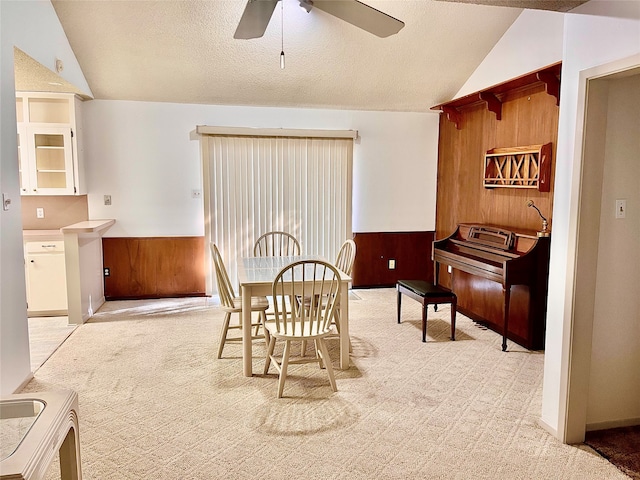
[361, 15]
[255, 18]
[553, 5]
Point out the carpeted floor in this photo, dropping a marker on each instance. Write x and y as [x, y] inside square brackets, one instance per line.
[621, 446]
[156, 404]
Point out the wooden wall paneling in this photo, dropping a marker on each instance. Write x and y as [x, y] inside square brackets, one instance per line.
[154, 267]
[410, 250]
[446, 197]
[131, 267]
[180, 267]
[529, 117]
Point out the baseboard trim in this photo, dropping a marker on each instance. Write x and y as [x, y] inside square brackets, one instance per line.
[24, 383]
[94, 308]
[627, 422]
[154, 297]
[548, 428]
[47, 313]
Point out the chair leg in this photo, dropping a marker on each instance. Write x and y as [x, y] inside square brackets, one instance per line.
[267, 363]
[303, 348]
[399, 304]
[258, 325]
[318, 356]
[267, 337]
[283, 367]
[424, 321]
[324, 352]
[454, 306]
[223, 333]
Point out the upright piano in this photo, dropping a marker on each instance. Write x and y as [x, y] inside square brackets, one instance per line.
[500, 277]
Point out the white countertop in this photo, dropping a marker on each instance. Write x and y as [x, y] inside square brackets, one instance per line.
[88, 226]
[38, 234]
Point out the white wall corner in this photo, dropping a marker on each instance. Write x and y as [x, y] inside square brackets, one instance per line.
[532, 42]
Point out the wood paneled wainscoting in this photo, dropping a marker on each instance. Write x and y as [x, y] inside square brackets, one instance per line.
[153, 267]
[411, 252]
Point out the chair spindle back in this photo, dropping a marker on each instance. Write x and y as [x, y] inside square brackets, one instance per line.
[225, 289]
[276, 244]
[314, 279]
[346, 256]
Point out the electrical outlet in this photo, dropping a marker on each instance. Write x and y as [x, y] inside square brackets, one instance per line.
[621, 208]
[449, 269]
[39, 212]
[107, 199]
[107, 272]
[196, 193]
[392, 264]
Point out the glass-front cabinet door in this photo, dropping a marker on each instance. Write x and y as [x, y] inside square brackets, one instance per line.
[48, 144]
[50, 169]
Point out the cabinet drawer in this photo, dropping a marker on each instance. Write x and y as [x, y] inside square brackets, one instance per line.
[46, 246]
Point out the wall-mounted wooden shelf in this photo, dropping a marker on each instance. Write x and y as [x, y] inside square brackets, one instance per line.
[493, 96]
[518, 167]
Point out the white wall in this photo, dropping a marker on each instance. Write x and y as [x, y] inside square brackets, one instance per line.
[33, 27]
[590, 40]
[614, 382]
[533, 41]
[140, 154]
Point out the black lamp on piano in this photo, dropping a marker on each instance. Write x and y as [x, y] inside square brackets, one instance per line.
[545, 230]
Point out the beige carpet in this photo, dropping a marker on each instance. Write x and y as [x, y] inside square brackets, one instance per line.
[156, 404]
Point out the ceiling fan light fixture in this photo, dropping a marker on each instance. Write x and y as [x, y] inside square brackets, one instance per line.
[282, 34]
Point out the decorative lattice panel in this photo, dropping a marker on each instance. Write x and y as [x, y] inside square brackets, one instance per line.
[518, 167]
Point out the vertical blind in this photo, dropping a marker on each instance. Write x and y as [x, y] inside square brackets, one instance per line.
[298, 185]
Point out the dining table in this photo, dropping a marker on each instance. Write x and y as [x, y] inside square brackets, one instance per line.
[256, 276]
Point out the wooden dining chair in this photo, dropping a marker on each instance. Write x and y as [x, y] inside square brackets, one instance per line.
[233, 304]
[276, 244]
[346, 257]
[344, 262]
[319, 281]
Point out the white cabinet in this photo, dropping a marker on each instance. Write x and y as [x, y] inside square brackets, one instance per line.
[49, 144]
[46, 277]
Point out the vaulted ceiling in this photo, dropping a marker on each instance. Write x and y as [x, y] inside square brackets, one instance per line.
[184, 52]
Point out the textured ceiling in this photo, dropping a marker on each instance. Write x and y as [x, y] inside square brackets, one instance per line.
[32, 76]
[184, 52]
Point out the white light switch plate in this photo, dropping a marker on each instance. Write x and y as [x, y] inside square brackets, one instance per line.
[621, 208]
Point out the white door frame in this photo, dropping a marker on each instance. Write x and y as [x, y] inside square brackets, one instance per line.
[576, 349]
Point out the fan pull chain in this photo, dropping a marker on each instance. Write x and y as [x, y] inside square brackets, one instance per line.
[282, 34]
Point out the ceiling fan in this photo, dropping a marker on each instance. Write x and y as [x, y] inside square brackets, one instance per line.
[257, 14]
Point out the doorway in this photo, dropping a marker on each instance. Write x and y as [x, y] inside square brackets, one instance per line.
[603, 382]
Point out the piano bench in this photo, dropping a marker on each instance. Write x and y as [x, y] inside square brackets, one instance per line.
[427, 294]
